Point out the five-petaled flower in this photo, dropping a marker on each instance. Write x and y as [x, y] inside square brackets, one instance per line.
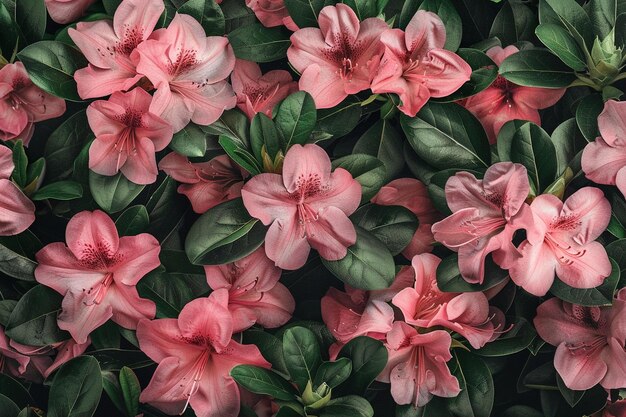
[96, 273]
[307, 206]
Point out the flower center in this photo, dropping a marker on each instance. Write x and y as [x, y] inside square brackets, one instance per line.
[131, 39]
[96, 294]
[260, 95]
[344, 53]
[99, 257]
[185, 60]
[564, 251]
[506, 87]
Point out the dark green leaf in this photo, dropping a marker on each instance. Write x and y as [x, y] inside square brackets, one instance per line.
[257, 43]
[369, 358]
[569, 13]
[31, 17]
[20, 160]
[515, 22]
[240, 155]
[537, 68]
[60, 190]
[384, 142]
[601, 295]
[207, 13]
[132, 221]
[368, 265]
[333, 373]
[270, 346]
[521, 411]
[484, 72]
[113, 193]
[392, 225]
[9, 38]
[341, 119]
[7, 407]
[567, 142]
[76, 389]
[572, 397]
[296, 118]
[13, 389]
[111, 386]
[166, 209]
[116, 359]
[51, 66]
[224, 234]
[190, 141]
[449, 277]
[106, 336]
[514, 340]
[33, 321]
[302, 355]
[477, 390]
[562, 44]
[263, 134]
[233, 124]
[64, 145]
[350, 405]
[6, 307]
[446, 135]
[263, 381]
[304, 12]
[587, 114]
[367, 170]
[130, 391]
[168, 292]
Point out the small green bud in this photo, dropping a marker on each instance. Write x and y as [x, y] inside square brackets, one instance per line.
[607, 59]
[316, 399]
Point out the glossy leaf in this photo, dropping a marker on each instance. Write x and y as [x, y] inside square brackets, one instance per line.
[449, 277]
[76, 389]
[392, 225]
[113, 193]
[207, 13]
[263, 381]
[537, 68]
[369, 171]
[369, 358]
[302, 355]
[255, 42]
[296, 118]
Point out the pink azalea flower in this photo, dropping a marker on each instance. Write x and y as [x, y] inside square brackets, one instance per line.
[416, 67]
[254, 293]
[41, 356]
[195, 354]
[18, 364]
[96, 273]
[17, 212]
[503, 101]
[22, 104]
[603, 160]
[424, 305]
[568, 247]
[189, 71]
[66, 11]
[339, 58]
[307, 206]
[589, 340]
[417, 366]
[272, 13]
[412, 195]
[206, 184]
[259, 93]
[360, 313]
[110, 47]
[127, 136]
[486, 214]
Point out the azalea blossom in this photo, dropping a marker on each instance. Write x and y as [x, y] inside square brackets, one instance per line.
[41, 357]
[66, 11]
[127, 136]
[195, 354]
[486, 214]
[425, 306]
[254, 293]
[416, 367]
[589, 341]
[272, 13]
[18, 364]
[413, 195]
[110, 47]
[416, 67]
[22, 104]
[189, 71]
[568, 247]
[603, 160]
[503, 100]
[307, 206]
[96, 273]
[17, 212]
[259, 93]
[206, 184]
[339, 58]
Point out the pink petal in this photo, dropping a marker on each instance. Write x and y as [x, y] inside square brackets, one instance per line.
[534, 271]
[338, 22]
[270, 309]
[425, 31]
[128, 307]
[95, 82]
[615, 358]
[88, 231]
[162, 338]
[580, 371]
[266, 199]
[170, 384]
[194, 319]
[343, 192]
[95, 40]
[587, 270]
[137, 14]
[286, 244]
[537, 98]
[67, 11]
[141, 167]
[331, 234]
[498, 54]
[179, 168]
[305, 163]
[510, 181]
[601, 162]
[324, 84]
[612, 123]
[245, 73]
[104, 158]
[446, 72]
[556, 327]
[66, 351]
[80, 317]
[218, 395]
[17, 211]
[591, 210]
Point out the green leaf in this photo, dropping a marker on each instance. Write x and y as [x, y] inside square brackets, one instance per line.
[263, 381]
[166, 209]
[130, 391]
[51, 66]
[20, 160]
[531, 146]
[367, 170]
[6, 307]
[368, 265]
[446, 135]
[207, 13]
[369, 358]
[113, 193]
[363, 8]
[302, 355]
[515, 22]
[224, 234]
[521, 411]
[341, 119]
[484, 72]
[64, 145]
[7, 407]
[572, 397]
[392, 225]
[190, 141]
[562, 44]
[132, 221]
[13, 389]
[384, 142]
[9, 38]
[116, 359]
[255, 42]
[567, 142]
[33, 321]
[13, 262]
[350, 405]
[333, 373]
[106, 336]
[296, 118]
[304, 12]
[537, 68]
[240, 155]
[477, 390]
[111, 386]
[76, 389]
[587, 114]
[60, 190]
[569, 12]
[601, 295]
[31, 17]
[232, 124]
[512, 341]
[449, 277]
[169, 293]
[450, 18]
[263, 133]
[270, 346]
